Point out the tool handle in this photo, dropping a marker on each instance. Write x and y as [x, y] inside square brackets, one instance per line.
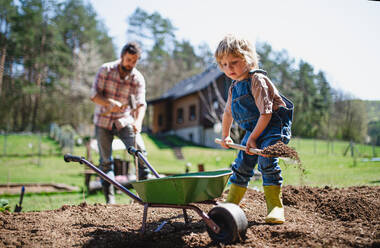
[22, 194]
[109, 110]
[240, 147]
[71, 158]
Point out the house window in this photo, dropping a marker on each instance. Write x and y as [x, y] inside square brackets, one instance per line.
[160, 120]
[180, 115]
[192, 114]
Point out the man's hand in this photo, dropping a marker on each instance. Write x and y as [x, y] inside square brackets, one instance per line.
[115, 106]
[137, 125]
[225, 141]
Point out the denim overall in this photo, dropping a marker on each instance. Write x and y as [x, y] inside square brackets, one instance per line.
[246, 114]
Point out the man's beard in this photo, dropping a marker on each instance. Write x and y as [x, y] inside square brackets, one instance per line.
[123, 71]
[126, 70]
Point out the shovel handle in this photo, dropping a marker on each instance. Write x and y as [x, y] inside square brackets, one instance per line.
[240, 147]
[22, 194]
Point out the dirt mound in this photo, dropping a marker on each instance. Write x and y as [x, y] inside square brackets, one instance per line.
[315, 217]
[345, 204]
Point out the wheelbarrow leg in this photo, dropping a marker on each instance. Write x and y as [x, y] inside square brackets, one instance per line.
[145, 214]
[185, 216]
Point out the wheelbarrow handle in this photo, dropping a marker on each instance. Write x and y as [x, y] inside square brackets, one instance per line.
[71, 158]
[82, 160]
[133, 151]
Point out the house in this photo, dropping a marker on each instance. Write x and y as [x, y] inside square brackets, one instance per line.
[193, 108]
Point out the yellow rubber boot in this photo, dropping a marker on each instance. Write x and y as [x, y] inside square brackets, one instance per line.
[274, 204]
[236, 194]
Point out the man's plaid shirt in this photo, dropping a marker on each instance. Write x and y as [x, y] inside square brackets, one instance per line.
[109, 84]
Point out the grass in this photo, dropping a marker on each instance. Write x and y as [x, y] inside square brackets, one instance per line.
[51, 170]
[324, 163]
[27, 144]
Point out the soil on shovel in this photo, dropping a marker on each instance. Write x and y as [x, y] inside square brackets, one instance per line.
[315, 217]
[281, 150]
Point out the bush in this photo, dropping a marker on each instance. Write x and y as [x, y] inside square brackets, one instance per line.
[4, 205]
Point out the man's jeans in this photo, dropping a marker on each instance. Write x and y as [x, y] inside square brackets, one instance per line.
[127, 136]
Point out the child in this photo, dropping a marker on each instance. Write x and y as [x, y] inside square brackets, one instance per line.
[256, 105]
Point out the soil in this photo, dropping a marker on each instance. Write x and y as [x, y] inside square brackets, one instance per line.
[315, 217]
[281, 150]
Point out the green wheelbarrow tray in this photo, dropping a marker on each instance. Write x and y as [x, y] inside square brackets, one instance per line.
[183, 188]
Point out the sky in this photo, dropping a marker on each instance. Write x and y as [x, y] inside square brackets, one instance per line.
[339, 37]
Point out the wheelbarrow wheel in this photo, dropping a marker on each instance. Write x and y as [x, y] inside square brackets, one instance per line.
[232, 222]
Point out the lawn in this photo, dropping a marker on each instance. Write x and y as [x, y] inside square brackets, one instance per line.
[324, 164]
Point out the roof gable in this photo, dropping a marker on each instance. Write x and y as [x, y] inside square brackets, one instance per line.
[192, 84]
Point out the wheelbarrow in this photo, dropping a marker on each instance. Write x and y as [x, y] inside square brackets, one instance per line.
[226, 222]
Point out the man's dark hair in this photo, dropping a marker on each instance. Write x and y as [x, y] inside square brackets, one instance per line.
[131, 48]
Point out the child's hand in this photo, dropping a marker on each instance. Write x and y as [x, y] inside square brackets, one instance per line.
[225, 141]
[251, 143]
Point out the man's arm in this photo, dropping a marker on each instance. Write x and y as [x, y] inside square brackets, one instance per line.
[96, 92]
[139, 114]
[111, 104]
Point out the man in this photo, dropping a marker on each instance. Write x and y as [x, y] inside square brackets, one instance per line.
[119, 94]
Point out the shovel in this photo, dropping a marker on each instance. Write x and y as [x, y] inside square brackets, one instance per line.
[292, 158]
[242, 148]
[18, 206]
[133, 104]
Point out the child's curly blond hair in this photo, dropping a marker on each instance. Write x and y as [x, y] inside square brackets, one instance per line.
[239, 47]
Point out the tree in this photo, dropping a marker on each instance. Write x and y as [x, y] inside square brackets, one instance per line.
[47, 69]
[153, 31]
[310, 92]
[88, 44]
[33, 35]
[323, 105]
[205, 55]
[374, 132]
[166, 61]
[7, 13]
[349, 117]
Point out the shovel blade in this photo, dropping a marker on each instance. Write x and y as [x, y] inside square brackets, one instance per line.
[17, 209]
